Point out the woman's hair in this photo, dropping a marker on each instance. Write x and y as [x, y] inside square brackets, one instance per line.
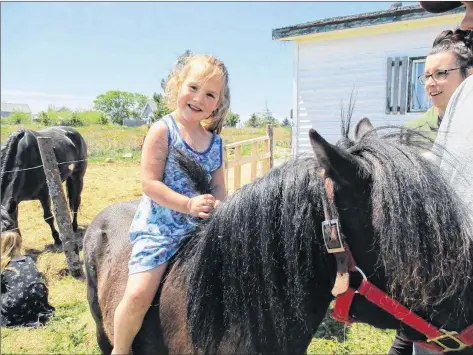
[212, 67]
[10, 247]
[460, 43]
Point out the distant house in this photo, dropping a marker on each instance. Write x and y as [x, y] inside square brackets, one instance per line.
[8, 108]
[148, 110]
[380, 54]
[145, 116]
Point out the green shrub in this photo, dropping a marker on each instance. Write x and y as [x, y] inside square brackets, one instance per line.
[103, 119]
[44, 119]
[75, 120]
[92, 117]
[18, 117]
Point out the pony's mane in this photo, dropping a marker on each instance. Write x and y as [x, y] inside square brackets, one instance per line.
[256, 252]
[6, 154]
[248, 269]
[424, 237]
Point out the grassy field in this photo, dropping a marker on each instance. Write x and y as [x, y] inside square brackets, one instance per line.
[113, 141]
[72, 329]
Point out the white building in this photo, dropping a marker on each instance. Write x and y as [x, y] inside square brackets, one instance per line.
[379, 54]
[8, 108]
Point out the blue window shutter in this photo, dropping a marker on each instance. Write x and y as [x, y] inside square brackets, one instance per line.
[403, 99]
[389, 74]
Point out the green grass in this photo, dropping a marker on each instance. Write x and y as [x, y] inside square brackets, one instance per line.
[113, 141]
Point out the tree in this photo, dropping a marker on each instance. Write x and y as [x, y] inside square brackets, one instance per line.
[268, 118]
[138, 105]
[254, 121]
[286, 123]
[232, 119]
[118, 105]
[161, 108]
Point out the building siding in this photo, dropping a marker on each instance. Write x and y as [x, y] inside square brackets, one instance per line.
[326, 72]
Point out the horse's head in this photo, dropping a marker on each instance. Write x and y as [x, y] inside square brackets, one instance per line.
[405, 226]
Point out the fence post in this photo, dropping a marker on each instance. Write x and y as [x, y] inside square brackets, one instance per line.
[269, 132]
[237, 169]
[60, 208]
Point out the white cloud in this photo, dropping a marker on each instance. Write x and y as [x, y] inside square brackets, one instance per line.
[39, 101]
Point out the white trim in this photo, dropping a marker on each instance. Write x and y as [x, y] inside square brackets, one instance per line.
[295, 101]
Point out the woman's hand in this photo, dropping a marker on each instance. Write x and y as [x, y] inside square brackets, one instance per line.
[201, 205]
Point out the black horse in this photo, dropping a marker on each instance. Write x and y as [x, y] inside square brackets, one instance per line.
[256, 276]
[21, 151]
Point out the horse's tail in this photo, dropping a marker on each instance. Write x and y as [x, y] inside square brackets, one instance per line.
[8, 153]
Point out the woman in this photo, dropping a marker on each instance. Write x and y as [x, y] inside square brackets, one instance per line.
[446, 67]
[24, 293]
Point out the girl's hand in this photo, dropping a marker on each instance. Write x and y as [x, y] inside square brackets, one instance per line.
[201, 205]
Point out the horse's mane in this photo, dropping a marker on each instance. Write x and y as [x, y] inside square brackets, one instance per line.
[8, 151]
[424, 236]
[256, 252]
[249, 266]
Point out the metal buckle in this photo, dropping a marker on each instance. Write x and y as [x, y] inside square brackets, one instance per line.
[332, 245]
[451, 336]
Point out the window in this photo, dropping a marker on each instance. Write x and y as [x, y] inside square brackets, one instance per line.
[404, 92]
[418, 99]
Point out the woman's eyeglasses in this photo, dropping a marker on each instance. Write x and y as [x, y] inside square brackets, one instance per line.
[437, 76]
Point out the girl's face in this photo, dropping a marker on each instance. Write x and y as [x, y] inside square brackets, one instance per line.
[198, 98]
[441, 90]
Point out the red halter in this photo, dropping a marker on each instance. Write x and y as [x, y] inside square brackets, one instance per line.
[344, 293]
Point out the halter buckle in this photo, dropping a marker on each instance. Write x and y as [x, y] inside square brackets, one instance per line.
[331, 235]
[450, 336]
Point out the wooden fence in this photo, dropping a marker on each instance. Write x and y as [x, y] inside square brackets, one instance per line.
[233, 167]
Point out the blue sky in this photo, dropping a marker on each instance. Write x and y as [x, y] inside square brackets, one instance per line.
[67, 53]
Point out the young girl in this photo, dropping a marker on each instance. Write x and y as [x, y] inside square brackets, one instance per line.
[24, 293]
[198, 92]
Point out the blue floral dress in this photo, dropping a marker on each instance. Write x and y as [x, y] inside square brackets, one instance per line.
[156, 231]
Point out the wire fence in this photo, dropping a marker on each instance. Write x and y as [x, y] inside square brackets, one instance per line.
[40, 166]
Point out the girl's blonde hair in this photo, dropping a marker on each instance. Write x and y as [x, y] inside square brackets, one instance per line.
[10, 247]
[212, 67]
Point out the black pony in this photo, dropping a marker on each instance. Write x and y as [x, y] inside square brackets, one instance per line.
[21, 151]
[256, 277]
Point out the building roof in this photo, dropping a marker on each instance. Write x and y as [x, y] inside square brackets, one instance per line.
[8, 107]
[152, 104]
[360, 20]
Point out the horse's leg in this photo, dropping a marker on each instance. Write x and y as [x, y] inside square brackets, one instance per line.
[48, 215]
[74, 185]
[92, 297]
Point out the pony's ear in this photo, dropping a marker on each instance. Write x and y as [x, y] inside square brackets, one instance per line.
[337, 164]
[363, 127]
